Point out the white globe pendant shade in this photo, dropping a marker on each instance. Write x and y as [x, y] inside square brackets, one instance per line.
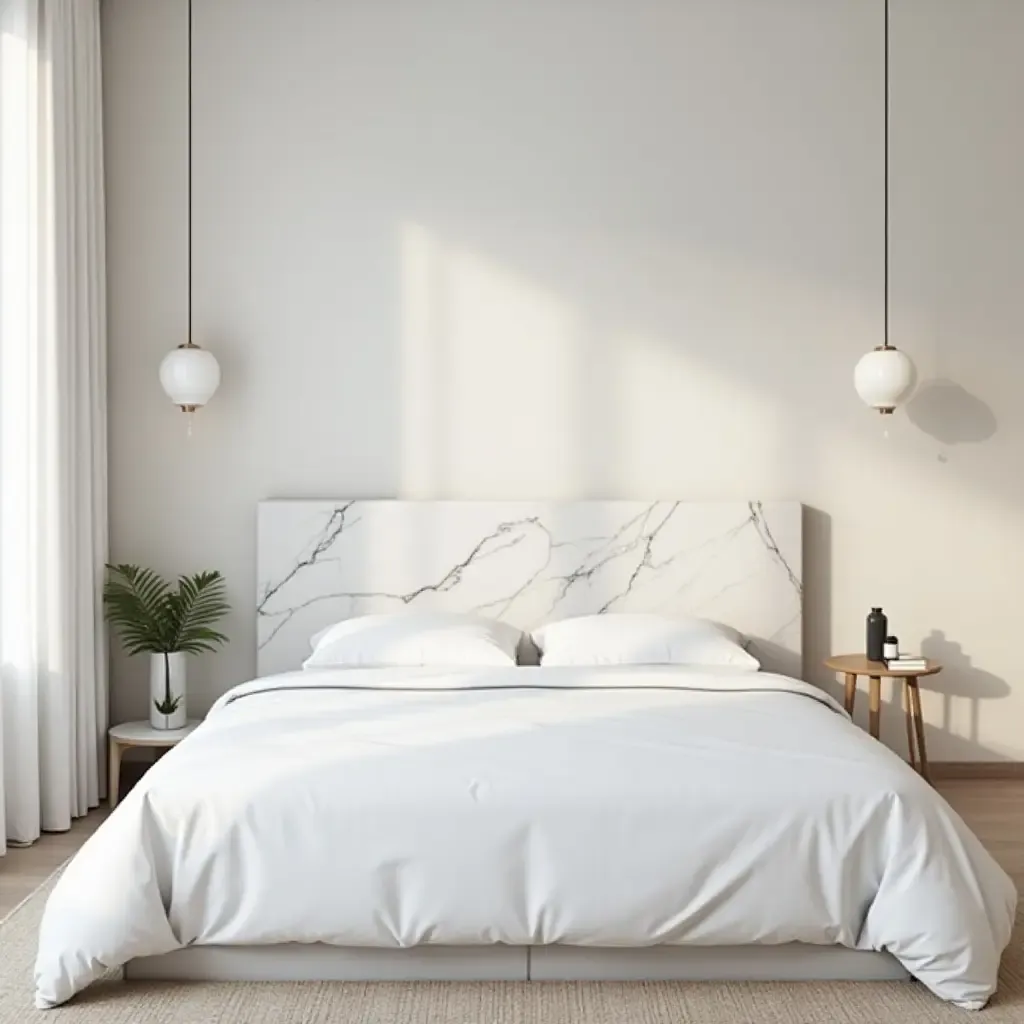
[190, 375]
[884, 378]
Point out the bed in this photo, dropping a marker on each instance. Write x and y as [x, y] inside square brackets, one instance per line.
[530, 822]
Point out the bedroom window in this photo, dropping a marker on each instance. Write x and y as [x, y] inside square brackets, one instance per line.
[52, 414]
[22, 189]
[18, 184]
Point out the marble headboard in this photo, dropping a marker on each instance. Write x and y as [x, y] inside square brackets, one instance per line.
[528, 562]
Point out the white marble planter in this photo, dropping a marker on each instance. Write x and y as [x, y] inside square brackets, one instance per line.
[167, 680]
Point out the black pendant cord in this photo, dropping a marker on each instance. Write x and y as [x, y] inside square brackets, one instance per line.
[885, 185]
[189, 172]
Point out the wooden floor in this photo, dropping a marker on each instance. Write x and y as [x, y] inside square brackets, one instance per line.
[24, 869]
[994, 808]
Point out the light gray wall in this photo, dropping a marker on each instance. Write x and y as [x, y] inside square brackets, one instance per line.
[621, 249]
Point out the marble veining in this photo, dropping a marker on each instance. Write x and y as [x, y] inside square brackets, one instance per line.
[529, 562]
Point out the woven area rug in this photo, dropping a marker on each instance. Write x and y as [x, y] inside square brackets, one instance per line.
[113, 1001]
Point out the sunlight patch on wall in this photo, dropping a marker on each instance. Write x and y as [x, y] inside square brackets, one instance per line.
[490, 364]
[424, 428]
[25, 354]
[722, 430]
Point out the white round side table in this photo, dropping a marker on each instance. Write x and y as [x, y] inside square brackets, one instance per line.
[139, 734]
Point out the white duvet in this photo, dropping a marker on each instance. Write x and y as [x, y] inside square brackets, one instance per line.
[596, 807]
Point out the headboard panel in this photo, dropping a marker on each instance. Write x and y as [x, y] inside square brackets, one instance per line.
[529, 562]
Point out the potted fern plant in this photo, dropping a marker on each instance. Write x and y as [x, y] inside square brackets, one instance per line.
[168, 623]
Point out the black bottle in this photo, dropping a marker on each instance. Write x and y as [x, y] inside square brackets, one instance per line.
[878, 629]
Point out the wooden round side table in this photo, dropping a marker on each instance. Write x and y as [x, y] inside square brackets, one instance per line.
[139, 734]
[853, 665]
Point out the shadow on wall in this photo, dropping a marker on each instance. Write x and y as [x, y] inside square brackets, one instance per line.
[817, 605]
[943, 409]
[960, 678]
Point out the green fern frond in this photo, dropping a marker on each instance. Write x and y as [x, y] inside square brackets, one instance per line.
[151, 617]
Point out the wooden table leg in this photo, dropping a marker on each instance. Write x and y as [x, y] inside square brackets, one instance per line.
[875, 705]
[908, 708]
[915, 696]
[851, 692]
[114, 774]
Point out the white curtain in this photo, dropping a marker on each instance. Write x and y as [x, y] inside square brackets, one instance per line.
[53, 473]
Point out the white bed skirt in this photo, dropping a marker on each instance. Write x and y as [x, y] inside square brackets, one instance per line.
[792, 961]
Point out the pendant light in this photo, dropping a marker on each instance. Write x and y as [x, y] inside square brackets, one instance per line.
[189, 374]
[885, 377]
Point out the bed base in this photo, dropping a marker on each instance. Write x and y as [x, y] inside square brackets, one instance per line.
[792, 961]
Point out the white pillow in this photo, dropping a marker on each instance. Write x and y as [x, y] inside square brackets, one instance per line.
[414, 638]
[637, 639]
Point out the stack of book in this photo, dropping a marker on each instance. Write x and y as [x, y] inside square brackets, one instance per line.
[908, 663]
